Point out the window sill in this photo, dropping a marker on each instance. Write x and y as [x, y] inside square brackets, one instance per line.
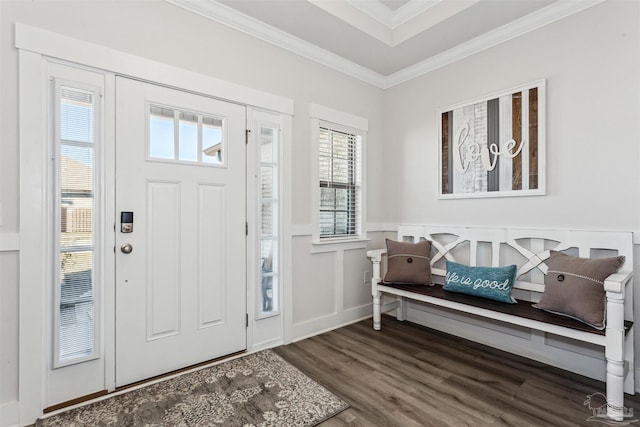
[333, 245]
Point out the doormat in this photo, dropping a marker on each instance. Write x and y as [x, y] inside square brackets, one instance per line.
[261, 389]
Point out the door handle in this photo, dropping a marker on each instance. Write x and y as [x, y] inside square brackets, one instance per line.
[126, 248]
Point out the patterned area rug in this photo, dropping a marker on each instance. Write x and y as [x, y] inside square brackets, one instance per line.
[260, 389]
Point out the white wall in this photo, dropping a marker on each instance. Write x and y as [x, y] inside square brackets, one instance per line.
[591, 63]
[162, 32]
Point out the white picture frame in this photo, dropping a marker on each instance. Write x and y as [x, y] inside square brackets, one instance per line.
[494, 146]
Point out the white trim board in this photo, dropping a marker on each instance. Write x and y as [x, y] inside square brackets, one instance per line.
[69, 49]
[393, 27]
[312, 327]
[332, 115]
[37, 48]
[543, 17]
[232, 18]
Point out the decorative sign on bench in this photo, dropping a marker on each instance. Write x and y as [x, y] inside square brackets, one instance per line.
[596, 254]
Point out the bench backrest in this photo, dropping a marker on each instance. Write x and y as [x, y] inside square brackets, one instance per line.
[528, 249]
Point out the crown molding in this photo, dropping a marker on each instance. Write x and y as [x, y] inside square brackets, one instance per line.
[545, 16]
[421, 16]
[439, 10]
[392, 19]
[232, 18]
[393, 27]
[360, 17]
[410, 10]
[258, 29]
[374, 10]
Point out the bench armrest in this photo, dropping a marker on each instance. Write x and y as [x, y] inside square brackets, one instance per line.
[375, 255]
[616, 282]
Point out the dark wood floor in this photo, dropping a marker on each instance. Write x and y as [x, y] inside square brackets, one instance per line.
[406, 375]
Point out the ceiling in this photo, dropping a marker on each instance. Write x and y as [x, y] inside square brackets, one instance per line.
[385, 42]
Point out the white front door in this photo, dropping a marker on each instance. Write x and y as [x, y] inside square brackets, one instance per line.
[181, 270]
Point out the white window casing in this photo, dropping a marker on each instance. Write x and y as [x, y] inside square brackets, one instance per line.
[76, 212]
[338, 165]
[268, 132]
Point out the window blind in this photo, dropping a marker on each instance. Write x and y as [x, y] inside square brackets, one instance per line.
[75, 332]
[269, 138]
[339, 175]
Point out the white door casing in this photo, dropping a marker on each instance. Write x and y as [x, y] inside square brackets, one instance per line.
[36, 47]
[181, 292]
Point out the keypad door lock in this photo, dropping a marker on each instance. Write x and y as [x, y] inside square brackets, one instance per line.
[126, 222]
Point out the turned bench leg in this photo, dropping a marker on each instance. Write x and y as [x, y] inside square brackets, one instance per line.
[615, 390]
[375, 279]
[614, 353]
[376, 312]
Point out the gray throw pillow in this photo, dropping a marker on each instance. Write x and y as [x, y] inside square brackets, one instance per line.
[408, 262]
[574, 287]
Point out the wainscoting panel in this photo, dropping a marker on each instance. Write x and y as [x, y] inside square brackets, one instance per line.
[356, 280]
[331, 283]
[572, 357]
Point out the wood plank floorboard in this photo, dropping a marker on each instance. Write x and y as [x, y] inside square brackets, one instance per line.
[407, 375]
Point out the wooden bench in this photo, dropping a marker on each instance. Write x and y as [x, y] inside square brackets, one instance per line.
[528, 250]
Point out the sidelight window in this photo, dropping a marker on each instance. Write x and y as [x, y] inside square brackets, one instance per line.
[75, 152]
[268, 153]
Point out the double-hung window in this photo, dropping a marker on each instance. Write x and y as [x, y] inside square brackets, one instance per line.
[339, 177]
[340, 181]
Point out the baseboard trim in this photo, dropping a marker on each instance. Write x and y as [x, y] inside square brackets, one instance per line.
[324, 324]
[266, 345]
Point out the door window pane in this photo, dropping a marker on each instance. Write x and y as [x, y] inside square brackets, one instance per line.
[266, 255]
[76, 115]
[266, 223]
[76, 305]
[211, 140]
[267, 296]
[266, 182]
[161, 133]
[199, 137]
[267, 152]
[188, 137]
[266, 144]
